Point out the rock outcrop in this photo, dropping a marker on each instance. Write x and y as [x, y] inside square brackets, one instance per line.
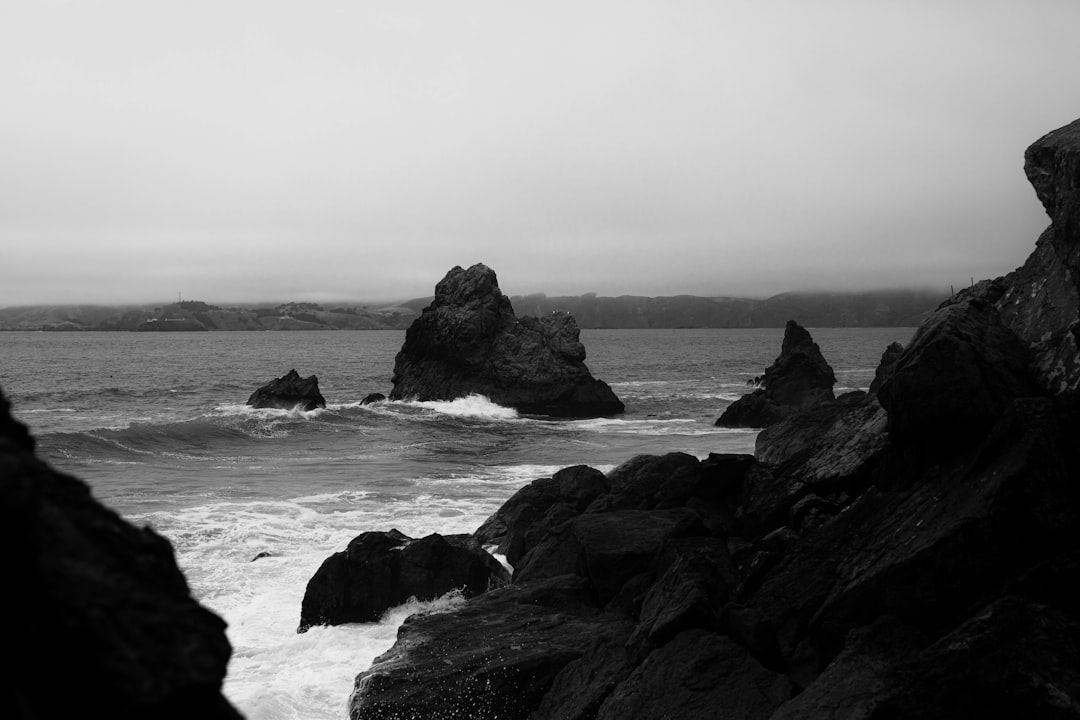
[468, 341]
[798, 378]
[381, 570]
[101, 622]
[903, 553]
[289, 392]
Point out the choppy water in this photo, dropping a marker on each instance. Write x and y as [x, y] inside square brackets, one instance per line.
[157, 425]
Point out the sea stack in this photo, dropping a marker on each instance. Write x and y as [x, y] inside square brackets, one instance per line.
[797, 379]
[468, 341]
[288, 392]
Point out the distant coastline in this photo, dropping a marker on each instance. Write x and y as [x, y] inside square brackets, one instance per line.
[881, 308]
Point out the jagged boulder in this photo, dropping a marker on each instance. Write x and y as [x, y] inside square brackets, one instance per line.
[958, 374]
[798, 378]
[534, 509]
[97, 605]
[381, 570]
[288, 392]
[468, 341]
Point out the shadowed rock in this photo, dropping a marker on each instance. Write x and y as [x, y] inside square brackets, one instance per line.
[101, 622]
[798, 378]
[902, 553]
[958, 374]
[468, 341]
[288, 392]
[381, 570]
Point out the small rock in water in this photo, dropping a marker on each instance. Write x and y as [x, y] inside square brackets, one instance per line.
[288, 392]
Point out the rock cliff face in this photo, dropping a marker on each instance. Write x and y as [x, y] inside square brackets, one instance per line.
[902, 553]
[798, 378]
[468, 341]
[1041, 299]
[100, 619]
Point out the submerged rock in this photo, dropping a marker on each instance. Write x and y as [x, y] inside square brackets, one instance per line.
[101, 622]
[468, 341]
[288, 392]
[798, 378]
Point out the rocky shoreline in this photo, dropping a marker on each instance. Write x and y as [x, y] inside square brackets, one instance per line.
[898, 553]
[901, 553]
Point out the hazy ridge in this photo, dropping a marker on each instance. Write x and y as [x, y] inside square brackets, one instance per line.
[882, 308]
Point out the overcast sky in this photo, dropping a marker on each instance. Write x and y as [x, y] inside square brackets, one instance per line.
[268, 150]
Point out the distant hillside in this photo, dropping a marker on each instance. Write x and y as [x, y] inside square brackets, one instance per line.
[194, 315]
[892, 308]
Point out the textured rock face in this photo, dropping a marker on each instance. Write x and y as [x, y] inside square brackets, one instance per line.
[289, 391]
[380, 570]
[1042, 301]
[799, 378]
[468, 341]
[903, 553]
[101, 621]
[958, 374]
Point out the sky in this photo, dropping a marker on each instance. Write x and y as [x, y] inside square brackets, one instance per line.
[235, 151]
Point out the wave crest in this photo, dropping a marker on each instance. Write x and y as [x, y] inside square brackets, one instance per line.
[472, 406]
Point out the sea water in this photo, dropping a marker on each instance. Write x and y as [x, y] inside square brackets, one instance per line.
[253, 501]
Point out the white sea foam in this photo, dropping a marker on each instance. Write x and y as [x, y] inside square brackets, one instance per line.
[472, 406]
[275, 673]
[296, 413]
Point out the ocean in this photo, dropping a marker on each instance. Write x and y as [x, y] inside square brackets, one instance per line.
[254, 500]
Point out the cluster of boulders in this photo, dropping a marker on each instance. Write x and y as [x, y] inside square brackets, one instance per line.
[101, 622]
[901, 552]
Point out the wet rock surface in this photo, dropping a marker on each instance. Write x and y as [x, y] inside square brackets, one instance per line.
[381, 570]
[904, 552]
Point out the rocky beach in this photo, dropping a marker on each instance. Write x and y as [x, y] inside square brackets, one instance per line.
[899, 552]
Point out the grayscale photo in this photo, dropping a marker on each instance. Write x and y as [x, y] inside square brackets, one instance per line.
[573, 361]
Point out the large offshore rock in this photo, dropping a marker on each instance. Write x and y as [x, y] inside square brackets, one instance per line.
[468, 341]
[798, 378]
[101, 622]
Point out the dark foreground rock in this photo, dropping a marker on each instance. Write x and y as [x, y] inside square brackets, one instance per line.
[468, 341]
[101, 622]
[288, 392]
[903, 553]
[381, 570]
[798, 378]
